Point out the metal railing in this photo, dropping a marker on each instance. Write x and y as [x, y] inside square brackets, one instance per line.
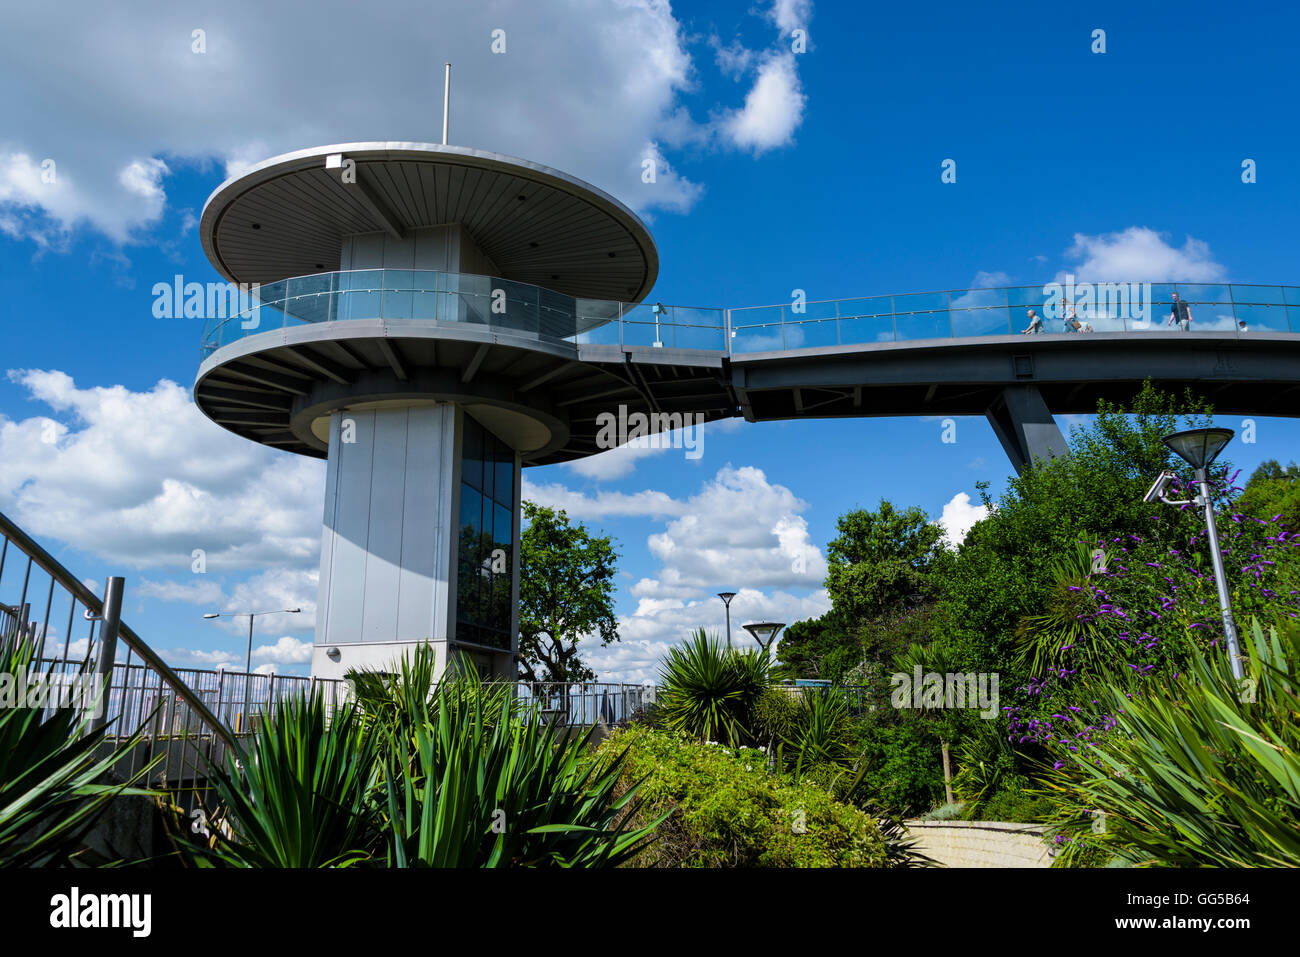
[588, 702]
[45, 590]
[410, 294]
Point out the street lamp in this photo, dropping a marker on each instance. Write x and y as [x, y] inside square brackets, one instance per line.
[726, 597]
[1198, 448]
[764, 632]
[252, 616]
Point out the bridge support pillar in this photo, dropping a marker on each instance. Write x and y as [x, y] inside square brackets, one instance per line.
[1025, 426]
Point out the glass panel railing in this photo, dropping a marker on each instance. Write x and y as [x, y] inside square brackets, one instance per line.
[413, 294]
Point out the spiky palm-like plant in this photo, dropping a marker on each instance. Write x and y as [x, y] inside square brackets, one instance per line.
[485, 783]
[1198, 769]
[709, 691]
[54, 773]
[300, 795]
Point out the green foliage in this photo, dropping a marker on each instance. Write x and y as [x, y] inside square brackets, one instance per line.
[881, 560]
[726, 810]
[54, 773]
[486, 784]
[1065, 632]
[945, 812]
[776, 716]
[566, 592]
[709, 691]
[904, 769]
[1273, 491]
[821, 736]
[413, 774]
[1017, 802]
[299, 796]
[819, 648]
[1195, 770]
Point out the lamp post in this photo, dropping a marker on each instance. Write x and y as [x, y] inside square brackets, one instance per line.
[726, 597]
[1198, 448]
[252, 616]
[764, 632]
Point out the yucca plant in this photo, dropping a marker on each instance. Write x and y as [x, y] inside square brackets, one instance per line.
[54, 773]
[709, 691]
[485, 783]
[1200, 770]
[820, 736]
[300, 795]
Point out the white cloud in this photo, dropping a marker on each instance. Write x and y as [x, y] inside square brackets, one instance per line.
[286, 651]
[789, 15]
[959, 517]
[657, 625]
[1140, 254]
[582, 86]
[738, 531]
[198, 592]
[773, 107]
[143, 479]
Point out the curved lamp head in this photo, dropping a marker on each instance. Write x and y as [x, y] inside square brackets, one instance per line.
[1199, 447]
[726, 596]
[764, 631]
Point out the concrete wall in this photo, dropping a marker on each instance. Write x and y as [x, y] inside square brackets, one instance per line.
[981, 843]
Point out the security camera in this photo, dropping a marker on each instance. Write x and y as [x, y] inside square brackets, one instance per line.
[1158, 489]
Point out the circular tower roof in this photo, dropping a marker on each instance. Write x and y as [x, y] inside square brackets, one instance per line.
[287, 216]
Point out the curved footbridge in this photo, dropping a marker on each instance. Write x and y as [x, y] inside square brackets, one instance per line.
[370, 335]
[431, 319]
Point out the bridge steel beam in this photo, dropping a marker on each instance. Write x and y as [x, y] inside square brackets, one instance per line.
[1025, 427]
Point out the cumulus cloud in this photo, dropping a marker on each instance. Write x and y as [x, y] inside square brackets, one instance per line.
[580, 86]
[739, 531]
[773, 107]
[959, 517]
[143, 479]
[1140, 254]
[790, 15]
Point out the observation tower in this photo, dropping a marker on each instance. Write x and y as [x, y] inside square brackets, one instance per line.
[421, 313]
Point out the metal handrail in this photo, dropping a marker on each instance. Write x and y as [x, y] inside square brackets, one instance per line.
[58, 573]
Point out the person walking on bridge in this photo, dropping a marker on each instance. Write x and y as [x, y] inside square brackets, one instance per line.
[1181, 314]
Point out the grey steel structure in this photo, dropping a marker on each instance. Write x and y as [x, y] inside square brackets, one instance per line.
[432, 318]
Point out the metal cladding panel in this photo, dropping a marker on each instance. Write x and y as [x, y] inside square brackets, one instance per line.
[385, 558]
[347, 526]
[422, 575]
[387, 525]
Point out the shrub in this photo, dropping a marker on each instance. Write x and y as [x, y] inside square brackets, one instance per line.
[728, 811]
[709, 691]
[1193, 769]
[904, 769]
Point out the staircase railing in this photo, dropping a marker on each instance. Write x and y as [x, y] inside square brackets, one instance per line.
[141, 692]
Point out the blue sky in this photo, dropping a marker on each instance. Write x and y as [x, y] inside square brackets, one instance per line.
[817, 171]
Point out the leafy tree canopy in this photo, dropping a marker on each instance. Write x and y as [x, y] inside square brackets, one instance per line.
[566, 593]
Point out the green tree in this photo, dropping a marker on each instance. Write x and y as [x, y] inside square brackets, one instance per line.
[1006, 570]
[1273, 490]
[566, 593]
[881, 560]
